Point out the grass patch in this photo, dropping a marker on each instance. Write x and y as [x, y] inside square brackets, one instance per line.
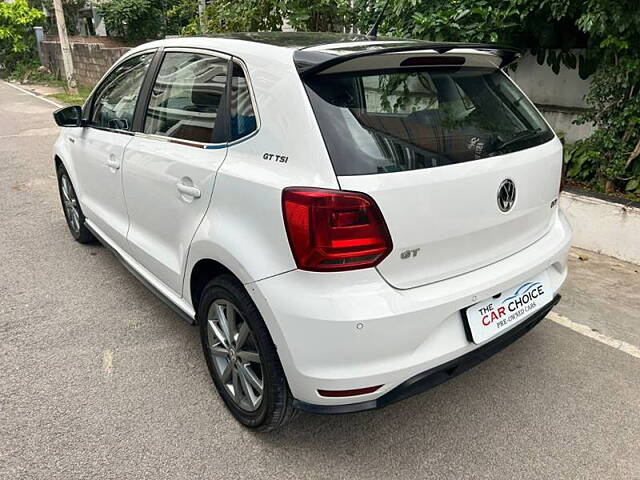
[27, 72]
[79, 99]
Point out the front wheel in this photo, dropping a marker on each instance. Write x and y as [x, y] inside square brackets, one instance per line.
[241, 357]
[71, 206]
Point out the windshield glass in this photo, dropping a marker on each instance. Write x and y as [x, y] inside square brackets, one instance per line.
[394, 120]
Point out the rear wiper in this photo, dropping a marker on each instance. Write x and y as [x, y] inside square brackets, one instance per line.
[519, 137]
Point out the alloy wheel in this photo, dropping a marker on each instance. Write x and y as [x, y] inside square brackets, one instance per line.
[234, 354]
[70, 203]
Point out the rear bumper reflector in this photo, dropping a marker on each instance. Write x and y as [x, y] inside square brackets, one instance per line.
[348, 393]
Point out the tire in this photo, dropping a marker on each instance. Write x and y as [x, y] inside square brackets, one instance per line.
[249, 336]
[71, 208]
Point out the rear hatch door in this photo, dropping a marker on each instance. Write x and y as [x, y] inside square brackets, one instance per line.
[463, 167]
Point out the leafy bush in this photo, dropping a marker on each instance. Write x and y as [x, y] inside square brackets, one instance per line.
[581, 161]
[322, 15]
[181, 15]
[17, 40]
[133, 20]
[28, 71]
[615, 145]
[261, 15]
[614, 95]
[244, 16]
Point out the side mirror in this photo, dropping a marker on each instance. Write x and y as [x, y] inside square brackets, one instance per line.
[69, 116]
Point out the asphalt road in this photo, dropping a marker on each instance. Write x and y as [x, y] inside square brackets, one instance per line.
[99, 379]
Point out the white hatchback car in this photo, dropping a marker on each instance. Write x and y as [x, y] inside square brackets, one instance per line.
[350, 221]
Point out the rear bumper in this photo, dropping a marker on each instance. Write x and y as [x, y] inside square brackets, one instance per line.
[437, 375]
[352, 330]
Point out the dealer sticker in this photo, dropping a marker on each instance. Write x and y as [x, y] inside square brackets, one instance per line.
[491, 317]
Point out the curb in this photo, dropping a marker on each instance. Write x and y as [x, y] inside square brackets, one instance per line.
[602, 196]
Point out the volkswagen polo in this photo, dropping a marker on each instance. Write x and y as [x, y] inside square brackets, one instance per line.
[349, 220]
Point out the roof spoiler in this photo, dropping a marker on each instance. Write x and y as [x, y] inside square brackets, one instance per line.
[311, 62]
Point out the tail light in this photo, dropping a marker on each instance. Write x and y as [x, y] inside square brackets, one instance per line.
[331, 230]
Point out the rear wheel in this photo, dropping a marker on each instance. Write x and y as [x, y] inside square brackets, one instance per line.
[71, 206]
[241, 357]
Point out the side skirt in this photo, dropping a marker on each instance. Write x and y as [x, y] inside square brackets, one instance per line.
[189, 317]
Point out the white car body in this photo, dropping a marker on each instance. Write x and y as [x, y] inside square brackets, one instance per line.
[334, 330]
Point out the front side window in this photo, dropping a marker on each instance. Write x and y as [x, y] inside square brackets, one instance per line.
[187, 98]
[115, 101]
[243, 117]
[408, 119]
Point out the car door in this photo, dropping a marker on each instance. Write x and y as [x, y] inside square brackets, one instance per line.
[170, 167]
[98, 148]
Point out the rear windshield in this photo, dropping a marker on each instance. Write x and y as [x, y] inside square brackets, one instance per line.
[395, 120]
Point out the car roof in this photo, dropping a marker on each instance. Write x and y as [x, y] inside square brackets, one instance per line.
[314, 51]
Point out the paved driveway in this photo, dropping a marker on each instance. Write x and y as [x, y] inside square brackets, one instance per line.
[99, 379]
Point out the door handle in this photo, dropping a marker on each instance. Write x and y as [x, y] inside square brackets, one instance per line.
[113, 162]
[189, 190]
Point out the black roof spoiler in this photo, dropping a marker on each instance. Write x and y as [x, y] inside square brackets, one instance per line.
[311, 62]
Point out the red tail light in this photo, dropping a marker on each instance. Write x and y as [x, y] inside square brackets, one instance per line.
[333, 230]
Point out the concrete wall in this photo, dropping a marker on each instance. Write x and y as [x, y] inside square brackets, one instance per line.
[559, 97]
[566, 89]
[91, 60]
[561, 120]
[604, 227]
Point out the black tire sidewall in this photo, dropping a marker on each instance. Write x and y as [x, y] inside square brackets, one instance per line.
[227, 288]
[83, 235]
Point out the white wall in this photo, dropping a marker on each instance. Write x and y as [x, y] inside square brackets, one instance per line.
[566, 89]
[604, 227]
[559, 97]
[562, 122]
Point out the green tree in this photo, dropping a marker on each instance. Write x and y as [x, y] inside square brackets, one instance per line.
[71, 10]
[180, 16]
[17, 41]
[134, 20]
[268, 15]
[321, 15]
[241, 16]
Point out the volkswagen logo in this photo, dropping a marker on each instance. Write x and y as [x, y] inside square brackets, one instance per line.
[506, 195]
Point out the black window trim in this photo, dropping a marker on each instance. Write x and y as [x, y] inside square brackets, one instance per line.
[243, 66]
[90, 103]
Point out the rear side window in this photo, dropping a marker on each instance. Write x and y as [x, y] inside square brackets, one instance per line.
[243, 117]
[187, 98]
[115, 100]
[408, 119]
